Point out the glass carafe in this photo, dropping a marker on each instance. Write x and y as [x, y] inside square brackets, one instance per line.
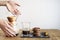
[25, 28]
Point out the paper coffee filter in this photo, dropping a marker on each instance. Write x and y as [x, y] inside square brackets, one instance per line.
[13, 17]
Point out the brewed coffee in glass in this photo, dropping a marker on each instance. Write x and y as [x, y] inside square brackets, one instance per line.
[25, 28]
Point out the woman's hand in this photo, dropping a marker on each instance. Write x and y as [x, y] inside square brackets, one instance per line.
[7, 29]
[11, 6]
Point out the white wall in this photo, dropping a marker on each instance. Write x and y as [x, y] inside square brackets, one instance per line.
[42, 13]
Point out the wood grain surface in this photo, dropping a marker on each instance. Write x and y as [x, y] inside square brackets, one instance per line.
[54, 35]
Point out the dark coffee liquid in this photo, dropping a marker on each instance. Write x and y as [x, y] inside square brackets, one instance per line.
[25, 32]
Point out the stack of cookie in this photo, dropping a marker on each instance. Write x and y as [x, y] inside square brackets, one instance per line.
[36, 31]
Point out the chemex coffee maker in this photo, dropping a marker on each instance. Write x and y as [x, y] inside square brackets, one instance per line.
[26, 28]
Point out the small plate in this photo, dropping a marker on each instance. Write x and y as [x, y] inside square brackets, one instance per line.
[31, 36]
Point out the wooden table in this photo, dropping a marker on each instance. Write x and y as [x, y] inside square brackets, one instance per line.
[54, 35]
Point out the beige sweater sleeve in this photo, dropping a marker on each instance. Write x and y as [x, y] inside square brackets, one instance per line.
[6, 0]
[3, 2]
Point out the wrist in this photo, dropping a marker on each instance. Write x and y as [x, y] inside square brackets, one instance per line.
[6, 2]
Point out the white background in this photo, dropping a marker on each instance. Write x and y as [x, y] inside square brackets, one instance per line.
[41, 13]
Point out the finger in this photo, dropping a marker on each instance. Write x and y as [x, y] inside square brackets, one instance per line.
[9, 27]
[11, 32]
[17, 12]
[17, 4]
[7, 33]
